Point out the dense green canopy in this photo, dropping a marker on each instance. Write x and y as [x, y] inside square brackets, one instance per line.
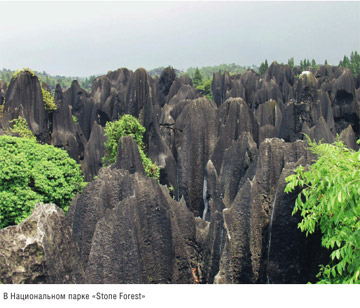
[32, 173]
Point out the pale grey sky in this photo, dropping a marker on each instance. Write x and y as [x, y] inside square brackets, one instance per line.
[86, 38]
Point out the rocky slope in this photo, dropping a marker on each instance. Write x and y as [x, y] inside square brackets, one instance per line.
[229, 221]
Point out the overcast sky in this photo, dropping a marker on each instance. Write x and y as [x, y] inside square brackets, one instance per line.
[86, 38]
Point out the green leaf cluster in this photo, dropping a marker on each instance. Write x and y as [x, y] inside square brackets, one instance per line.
[306, 64]
[197, 80]
[205, 88]
[16, 73]
[49, 100]
[20, 126]
[291, 62]
[75, 119]
[353, 63]
[127, 125]
[330, 201]
[32, 173]
[202, 85]
[263, 67]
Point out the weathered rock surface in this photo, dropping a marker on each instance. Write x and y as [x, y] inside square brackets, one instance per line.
[24, 98]
[249, 218]
[82, 107]
[128, 156]
[217, 156]
[94, 152]
[195, 138]
[130, 230]
[64, 132]
[291, 258]
[3, 89]
[233, 170]
[235, 118]
[41, 249]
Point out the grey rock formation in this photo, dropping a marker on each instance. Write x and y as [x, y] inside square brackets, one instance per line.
[130, 230]
[195, 138]
[64, 131]
[217, 156]
[82, 106]
[94, 152]
[233, 170]
[343, 96]
[291, 258]
[41, 249]
[320, 131]
[235, 118]
[248, 220]
[3, 89]
[212, 227]
[166, 80]
[24, 98]
[128, 156]
[348, 137]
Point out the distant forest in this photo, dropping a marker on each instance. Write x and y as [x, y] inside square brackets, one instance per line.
[206, 73]
[52, 81]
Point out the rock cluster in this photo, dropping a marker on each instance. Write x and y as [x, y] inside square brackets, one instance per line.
[227, 219]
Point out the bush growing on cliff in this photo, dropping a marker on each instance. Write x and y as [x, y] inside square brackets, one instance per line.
[20, 126]
[32, 173]
[49, 101]
[23, 70]
[330, 200]
[127, 125]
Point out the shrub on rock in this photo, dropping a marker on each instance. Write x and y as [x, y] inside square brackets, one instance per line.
[127, 126]
[32, 173]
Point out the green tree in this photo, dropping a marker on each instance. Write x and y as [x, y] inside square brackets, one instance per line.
[32, 173]
[197, 80]
[205, 88]
[345, 62]
[355, 63]
[263, 67]
[330, 201]
[127, 125]
[291, 62]
[314, 64]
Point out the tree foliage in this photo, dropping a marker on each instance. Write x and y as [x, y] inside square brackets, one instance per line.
[32, 173]
[197, 80]
[16, 73]
[291, 62]
[205, 88]
[20, 126]
[49, 100]
[208, 71]
[353, 63]
[306, 64]
[263, 67]
[330, 201]
[127, 125]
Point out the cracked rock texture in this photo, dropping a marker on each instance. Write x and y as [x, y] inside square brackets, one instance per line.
[41, 249]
